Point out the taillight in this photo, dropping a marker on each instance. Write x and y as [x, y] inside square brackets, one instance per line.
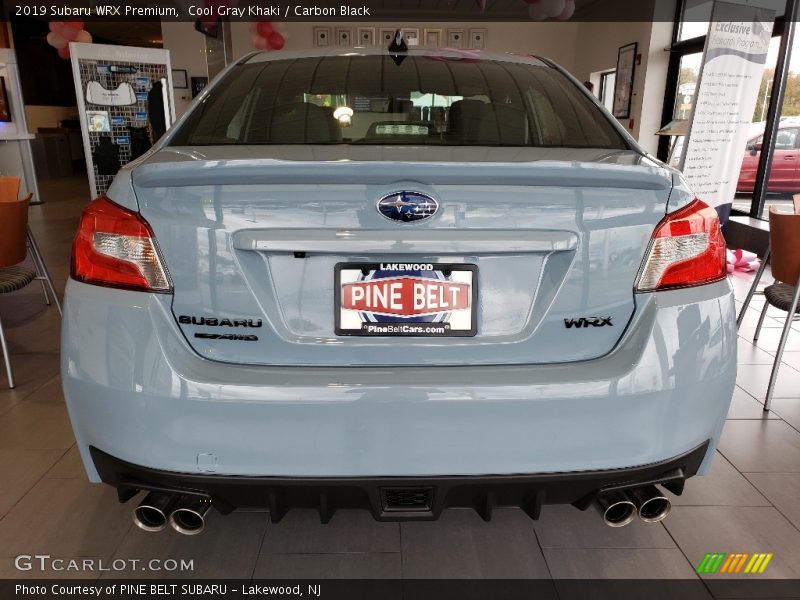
[687, 249]
[115, 247]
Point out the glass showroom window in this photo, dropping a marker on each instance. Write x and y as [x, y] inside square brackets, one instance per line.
[607, 82]
[785, 172]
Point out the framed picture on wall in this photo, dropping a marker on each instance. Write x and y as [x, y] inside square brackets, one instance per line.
[385, 37]
[344, 36]
[455, 38]
[322, 37]
[477, 39]
[411, 36]
[432, 38]
[198, 85]
[623, 87]
[366, 36]
[180, 79]
[5, 111]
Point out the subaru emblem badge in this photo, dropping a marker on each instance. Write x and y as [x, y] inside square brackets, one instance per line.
[407, 207]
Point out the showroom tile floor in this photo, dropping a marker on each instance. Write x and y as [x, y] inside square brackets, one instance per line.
[748, 503]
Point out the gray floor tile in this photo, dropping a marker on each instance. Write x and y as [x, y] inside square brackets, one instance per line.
[754, 379]
[761, 446]
[19, 472]
[568, 527]
[702, 529]
[792, 359]
[744, 406]
[359, 565]
[461, 545]
[618, 563]
[750, 320]
[31, 426]
[69, 466]
[769, 338]
[721, 486]
[31, 371]
[300, 532]
[50, 393]
[787, 409]
[783, 490]
[30, 325]
[227, 548]
[67, 518]
[748, 354]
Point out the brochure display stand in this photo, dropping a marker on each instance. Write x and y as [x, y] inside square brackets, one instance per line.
[125, 101]
[16, 158]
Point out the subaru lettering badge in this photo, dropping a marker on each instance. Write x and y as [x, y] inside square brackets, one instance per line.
[407, 207]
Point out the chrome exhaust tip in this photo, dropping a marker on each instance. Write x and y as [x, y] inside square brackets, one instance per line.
[652, 505]
[189, 516]
[153, 511]
[616, 509]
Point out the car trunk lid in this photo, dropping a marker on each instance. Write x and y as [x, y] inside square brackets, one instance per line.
[253, 244]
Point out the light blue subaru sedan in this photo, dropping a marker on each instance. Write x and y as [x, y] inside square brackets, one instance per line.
[403, 282]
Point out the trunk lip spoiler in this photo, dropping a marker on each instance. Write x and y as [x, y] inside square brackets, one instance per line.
[272, 172]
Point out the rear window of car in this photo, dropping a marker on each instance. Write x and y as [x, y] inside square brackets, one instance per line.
[424, 100]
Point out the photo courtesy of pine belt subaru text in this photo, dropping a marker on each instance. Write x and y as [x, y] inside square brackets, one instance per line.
[398, 281]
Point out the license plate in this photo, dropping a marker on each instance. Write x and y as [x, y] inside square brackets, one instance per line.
[406, 299]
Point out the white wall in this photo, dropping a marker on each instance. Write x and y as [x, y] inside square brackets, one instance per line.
[48, 116]
[598, 45]
[187, 50]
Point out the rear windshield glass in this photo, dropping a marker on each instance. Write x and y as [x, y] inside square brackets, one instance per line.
[425, 100]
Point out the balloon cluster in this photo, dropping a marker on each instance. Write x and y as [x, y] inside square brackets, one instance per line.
[539, 10]
[64, 32]
[266, 37]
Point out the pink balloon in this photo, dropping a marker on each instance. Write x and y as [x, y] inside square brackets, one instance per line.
[56, 40]
[276, 41]
[64, 52]
[55, 26]
[264, 28]
[69, 32]
[76, 24]
[84, 37]
[569, 10]
[260, 43]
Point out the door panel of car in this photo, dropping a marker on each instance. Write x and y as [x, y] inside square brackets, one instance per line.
[785, 171]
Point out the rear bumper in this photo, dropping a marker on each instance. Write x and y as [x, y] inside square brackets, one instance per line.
[398, 498]
[135, 390]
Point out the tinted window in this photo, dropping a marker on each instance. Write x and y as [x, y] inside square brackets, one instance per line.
[422, 101]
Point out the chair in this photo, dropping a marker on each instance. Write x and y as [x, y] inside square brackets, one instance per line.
[784, 293]
[765, 259]
[15, 243]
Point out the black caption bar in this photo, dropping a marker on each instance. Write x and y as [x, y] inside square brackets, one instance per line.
[396, 12]
[394, 589]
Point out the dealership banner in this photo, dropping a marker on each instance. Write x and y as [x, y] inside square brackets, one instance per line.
[730, 79]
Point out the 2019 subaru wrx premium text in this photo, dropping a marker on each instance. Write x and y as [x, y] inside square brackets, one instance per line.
[400, 282]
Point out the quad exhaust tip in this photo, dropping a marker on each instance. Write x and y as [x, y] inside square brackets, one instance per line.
[616, 509]
[153, 511]
[189, 515]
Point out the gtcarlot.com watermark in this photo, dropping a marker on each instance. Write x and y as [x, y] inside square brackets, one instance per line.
[47, 563]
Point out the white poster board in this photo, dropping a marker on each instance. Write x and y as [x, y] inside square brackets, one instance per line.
[112, 84]
[727, 91]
